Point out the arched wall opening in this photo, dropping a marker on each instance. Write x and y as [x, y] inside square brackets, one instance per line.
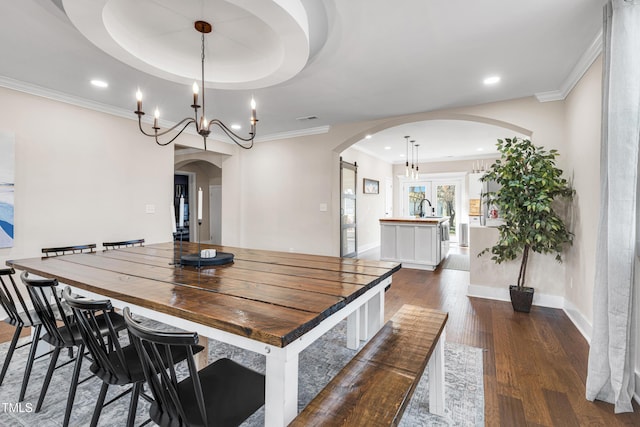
[204, 171]
[427, 117]
[369, 210]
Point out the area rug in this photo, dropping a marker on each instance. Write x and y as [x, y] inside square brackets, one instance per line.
[322, 360]
[456, 262]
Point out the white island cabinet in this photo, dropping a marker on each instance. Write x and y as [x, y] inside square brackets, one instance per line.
[420, 243]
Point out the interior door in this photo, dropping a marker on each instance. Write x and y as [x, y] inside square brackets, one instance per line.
[447, 196]
[348, 223]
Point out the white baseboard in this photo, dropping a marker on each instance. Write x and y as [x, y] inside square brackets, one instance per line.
[578, 319]
[636, 391]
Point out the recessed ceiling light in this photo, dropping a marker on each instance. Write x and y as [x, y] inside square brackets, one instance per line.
[368, 137]
[480, 149]
[236, 126]
[401, 155]
[387, 148]
[491, 80]
[99, 83]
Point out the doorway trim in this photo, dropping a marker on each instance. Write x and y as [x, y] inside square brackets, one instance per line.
[215, 214]
[193, 232]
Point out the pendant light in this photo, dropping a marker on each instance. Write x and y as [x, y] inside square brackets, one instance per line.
[413, 171]
[407, 162]
[417, 162]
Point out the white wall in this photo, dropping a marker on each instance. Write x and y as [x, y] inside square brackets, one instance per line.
[272, 196]
[82, 177]
[583, 123]
[369, 207]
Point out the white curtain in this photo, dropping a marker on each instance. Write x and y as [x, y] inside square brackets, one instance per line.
[612, 357]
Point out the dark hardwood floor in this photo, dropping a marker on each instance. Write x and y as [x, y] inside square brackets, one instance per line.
[534, 364]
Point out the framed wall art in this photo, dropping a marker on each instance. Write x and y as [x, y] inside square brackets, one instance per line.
[370, 186]
[7, 167]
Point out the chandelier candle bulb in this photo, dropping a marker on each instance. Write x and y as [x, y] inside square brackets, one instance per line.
[156, 116]
[196, 89]
[253, 112]
[139, 99]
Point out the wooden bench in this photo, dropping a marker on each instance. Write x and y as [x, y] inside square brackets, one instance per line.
[375, 387]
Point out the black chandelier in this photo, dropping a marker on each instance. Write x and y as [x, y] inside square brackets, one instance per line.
[203, 127]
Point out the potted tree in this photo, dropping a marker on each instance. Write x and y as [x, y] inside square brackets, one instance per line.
[529, 183]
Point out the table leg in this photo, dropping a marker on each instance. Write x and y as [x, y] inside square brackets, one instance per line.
[353, 330]
[281, 391]
[372, 316]
[202, 358]
[364, 321]
[376, 313]
[436, 378]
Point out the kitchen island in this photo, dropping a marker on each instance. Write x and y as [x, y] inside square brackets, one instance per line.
[420, 243]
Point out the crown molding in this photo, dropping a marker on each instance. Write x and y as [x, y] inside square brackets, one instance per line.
[581, 67]
[294, 133]
[55, 95]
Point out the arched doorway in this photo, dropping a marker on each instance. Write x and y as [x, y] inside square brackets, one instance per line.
[446, 184]
[200, 170]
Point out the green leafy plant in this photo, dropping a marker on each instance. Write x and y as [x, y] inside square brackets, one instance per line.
[530, 183]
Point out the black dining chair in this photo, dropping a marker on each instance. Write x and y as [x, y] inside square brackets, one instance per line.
[224, 393]
[68, 335]
[113, 362]
[124, 244]
[20, 317]
[66, 250]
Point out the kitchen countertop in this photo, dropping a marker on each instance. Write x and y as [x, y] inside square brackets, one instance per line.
[431, 220]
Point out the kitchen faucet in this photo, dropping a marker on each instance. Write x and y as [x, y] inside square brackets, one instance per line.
[422, 215]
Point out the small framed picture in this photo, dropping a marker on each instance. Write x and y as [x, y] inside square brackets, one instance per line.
[370, 186]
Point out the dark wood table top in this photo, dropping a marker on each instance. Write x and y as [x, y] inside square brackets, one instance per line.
[272, 297]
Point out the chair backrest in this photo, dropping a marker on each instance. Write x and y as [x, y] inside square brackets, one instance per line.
[101, 342]
[154, 348]
[124, 244]
[7, 300]
[65, 250]
[49, 308]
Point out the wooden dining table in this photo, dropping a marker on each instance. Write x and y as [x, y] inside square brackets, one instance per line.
[272, 303]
